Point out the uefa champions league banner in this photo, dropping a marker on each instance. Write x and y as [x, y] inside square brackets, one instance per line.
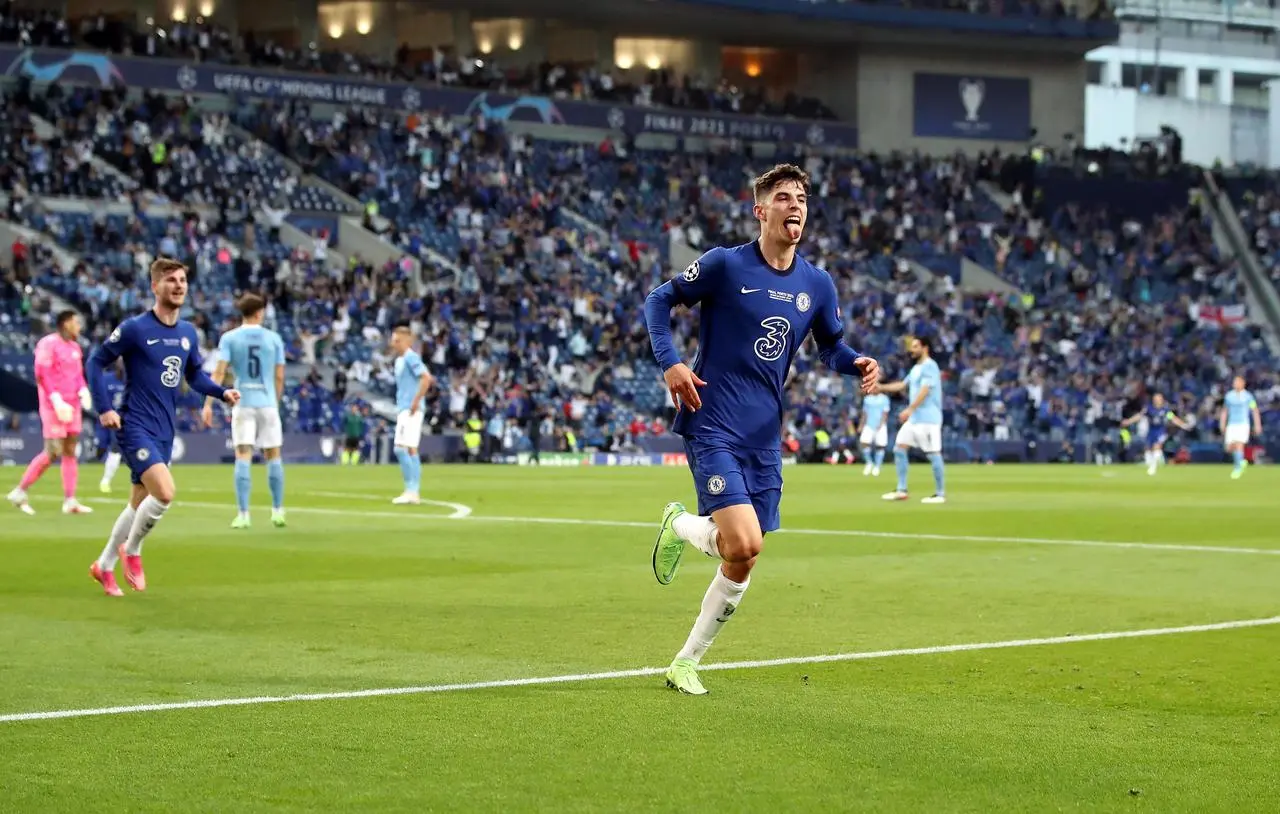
[990, 108]
[52, 65]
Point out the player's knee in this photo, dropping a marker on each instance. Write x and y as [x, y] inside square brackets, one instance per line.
[740, 545]
[165, 493]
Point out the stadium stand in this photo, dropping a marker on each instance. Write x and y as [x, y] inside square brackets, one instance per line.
[556, 243]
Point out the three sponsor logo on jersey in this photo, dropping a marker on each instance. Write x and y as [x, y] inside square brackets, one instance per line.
[773, 345]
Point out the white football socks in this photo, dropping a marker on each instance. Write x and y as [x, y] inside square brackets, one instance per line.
[719, 603]
[110, 467]
[119, 533]
[699, 532]
[149, 513]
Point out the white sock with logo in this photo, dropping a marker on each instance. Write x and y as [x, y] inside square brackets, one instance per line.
[699, 532]
[149, 513]
[119, 533]
[719, 603]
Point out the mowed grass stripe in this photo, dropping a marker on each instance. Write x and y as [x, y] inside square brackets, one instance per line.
[634, 673]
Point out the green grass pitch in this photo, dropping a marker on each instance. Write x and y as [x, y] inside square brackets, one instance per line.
[359, 595]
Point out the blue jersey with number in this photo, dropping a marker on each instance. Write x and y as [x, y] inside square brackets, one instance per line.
[874, 410]
[930, 410]
[157, 359]
[408, 370]
[1156, 418]
[253, 353]
[753, 319]
[1240, 405]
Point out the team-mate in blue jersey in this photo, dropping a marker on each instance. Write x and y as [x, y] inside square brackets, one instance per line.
[921, 420]
[1238, 407]
[758, 303]
[255, 356]
[412, 383]
[159, 351]
[873, 436]
[1158, 416]
[105, 439]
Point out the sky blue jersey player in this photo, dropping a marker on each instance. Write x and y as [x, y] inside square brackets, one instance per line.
[412, 383]
[1238, 407]
[1159, 416]
[921, 425]
[255, 356]
[758, 303]
[873, 436]
[159, 351]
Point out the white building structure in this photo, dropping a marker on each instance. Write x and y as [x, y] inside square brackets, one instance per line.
[1203, 67]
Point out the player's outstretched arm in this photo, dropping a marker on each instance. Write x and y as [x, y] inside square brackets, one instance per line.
[835, 353]
[201, 382]
[682, 383]
[219, 375]
[696, 284]
[892, 389]
[915, 403]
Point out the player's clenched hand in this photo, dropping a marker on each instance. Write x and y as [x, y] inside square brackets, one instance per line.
[870, 374]
[232, 397]
[110, 419]
[206, 415]
[683, 385]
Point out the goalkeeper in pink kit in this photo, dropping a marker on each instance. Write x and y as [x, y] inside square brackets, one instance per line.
[63, 393]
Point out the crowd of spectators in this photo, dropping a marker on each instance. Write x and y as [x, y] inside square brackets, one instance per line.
[555, 244]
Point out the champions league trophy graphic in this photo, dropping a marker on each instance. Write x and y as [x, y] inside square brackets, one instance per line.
[972, 92]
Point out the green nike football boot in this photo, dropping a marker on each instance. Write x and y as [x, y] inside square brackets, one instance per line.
[668, 548]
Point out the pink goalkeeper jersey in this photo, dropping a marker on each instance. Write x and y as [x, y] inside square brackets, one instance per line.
[59, 369]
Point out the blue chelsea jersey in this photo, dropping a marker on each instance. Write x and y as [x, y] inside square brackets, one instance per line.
[753, 319]
[158, 358]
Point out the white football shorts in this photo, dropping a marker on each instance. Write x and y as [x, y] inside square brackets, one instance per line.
[1236, 434]
[925, 437]
[874, 436]
[256, 427]
[409, 429]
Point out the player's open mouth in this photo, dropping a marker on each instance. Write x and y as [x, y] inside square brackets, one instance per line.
[794, 220]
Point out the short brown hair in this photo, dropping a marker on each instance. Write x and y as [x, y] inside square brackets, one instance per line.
[780, 174]
[163, 267]
[250, 304]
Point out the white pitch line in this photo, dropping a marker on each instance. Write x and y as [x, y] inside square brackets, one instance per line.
[635, 524]
[460, 510]
[636, 673]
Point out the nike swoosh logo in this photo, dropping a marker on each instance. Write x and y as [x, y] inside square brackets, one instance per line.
[152, 341]
[746, 290]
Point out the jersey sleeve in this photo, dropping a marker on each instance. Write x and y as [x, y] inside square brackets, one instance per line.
[194, 373]
[700, 280]
[279, 342]
[413, 362]
[225, 347]
[43, 364]
[118, 343]
[828, 331]
[933, 376]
